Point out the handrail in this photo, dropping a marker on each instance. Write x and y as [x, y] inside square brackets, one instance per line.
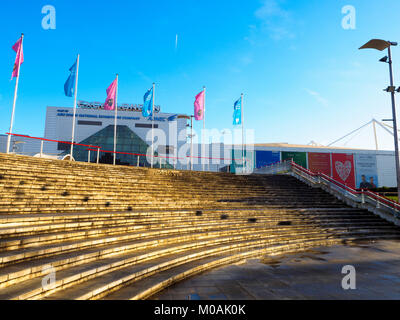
[359, 195]
[272, 164]
[99, 149]
[134, 154]
[389, 202]
[354, 191]
[159, 156]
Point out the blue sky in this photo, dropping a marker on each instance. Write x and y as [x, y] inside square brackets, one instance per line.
[302, 74]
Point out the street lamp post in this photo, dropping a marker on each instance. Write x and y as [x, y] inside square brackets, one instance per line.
[382, 45]
[191, 135]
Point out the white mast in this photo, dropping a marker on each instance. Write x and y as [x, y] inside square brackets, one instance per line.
[204, 128]
[74, 116]
[15, 95]
[115, 122]
[152, 127]
[241, 108]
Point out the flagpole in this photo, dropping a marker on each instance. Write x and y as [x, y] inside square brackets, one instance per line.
[74, 116]
[241, 107]
[15, 94]
[191, 143]
[204, 127]
[152, 128]
[115, 122]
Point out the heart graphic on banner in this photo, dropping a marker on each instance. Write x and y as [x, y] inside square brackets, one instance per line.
[343, 169]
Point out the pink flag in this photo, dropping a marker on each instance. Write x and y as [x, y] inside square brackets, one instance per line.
[111, 95]
[17, 47]
[199, 106]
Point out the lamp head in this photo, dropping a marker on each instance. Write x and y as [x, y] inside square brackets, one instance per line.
[377, 44]
[384, 59]
[390, 89]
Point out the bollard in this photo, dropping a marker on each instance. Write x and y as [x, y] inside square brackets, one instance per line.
[159, 160]
[41, 148]
[138, 160]
[98, 156]
[88, 158]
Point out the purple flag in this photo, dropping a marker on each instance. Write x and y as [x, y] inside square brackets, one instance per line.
[111, 95]
[17, 47]
[199, 106]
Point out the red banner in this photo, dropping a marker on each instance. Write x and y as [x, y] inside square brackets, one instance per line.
[343, 169]
[320, 163]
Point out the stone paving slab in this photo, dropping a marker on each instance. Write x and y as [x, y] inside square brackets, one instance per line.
[315, 274]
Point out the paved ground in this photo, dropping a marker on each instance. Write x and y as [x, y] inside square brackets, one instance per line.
[315, 274]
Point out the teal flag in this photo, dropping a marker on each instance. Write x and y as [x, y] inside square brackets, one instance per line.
[237, 113]
[147, 109]
[69, 86]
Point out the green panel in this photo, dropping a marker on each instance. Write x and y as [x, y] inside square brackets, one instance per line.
[127, 141]
[298, 157]
[237, 165]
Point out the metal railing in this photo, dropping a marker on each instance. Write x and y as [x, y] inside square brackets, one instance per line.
[368, 198]
[41, 153]
[138, 156]
[277, 167]
[163, 161]
[173, 163]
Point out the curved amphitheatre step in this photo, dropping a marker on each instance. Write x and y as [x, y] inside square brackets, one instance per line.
[49, 223]
[83, 254]
[143, 223]
[20, 272]
[115, 225]
[137, 175]
[151, 234]
[16, 180]
[17, 252]
[78, 188]
[114, 265]
[99, 288]
[111, 206]
[190, 188]
[27, 254]
[100, 193]
[19, 241]
[28, 219]
[44, 187]
[88, 280]
[100, 199]
[89, 198]
[73, 276]
[150, 286]
[60, 231]
[81, 170]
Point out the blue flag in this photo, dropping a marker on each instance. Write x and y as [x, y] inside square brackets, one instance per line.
[147, 109]
[172, 118]
[69, 86]
[237, 113]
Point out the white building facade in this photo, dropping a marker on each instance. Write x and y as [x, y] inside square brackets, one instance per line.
[169, 129]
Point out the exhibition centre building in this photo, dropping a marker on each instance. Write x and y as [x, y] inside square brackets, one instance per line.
[173, 147]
